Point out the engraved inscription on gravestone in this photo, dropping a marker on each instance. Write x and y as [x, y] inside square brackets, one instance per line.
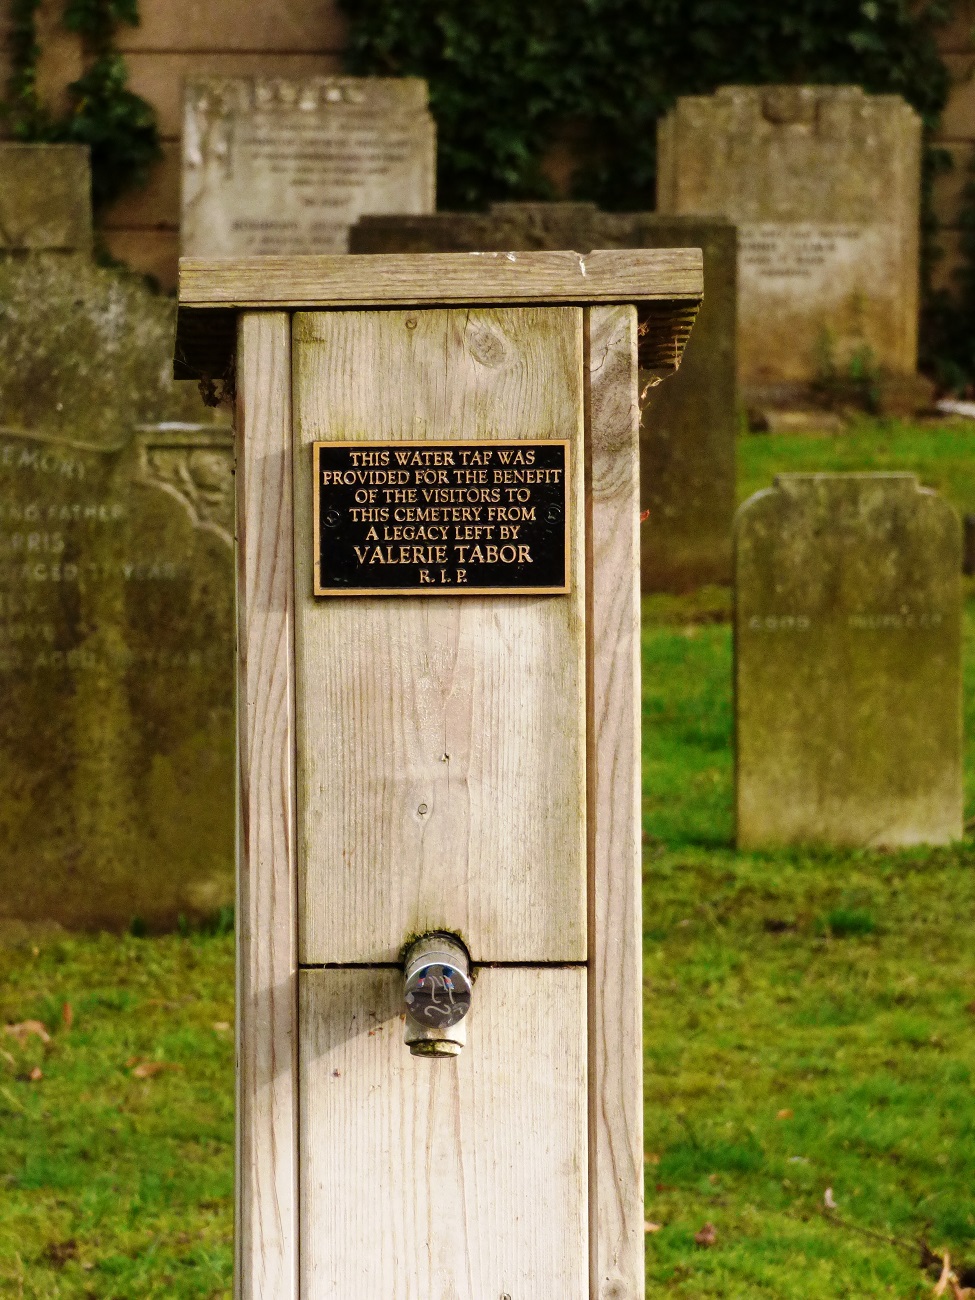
[273, 166]
[777, 253]
[441, 518]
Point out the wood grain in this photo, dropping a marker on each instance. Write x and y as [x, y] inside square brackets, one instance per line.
[615, 928]
[459, 1179]
[439, 279]
[441, 775]
[266, 1243]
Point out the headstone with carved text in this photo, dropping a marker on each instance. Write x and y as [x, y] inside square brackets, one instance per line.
[279, 166]
[848, 663]
[824, 184]
[116, 611]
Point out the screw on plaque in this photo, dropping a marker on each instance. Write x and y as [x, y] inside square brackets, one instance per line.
[332, 517]
[553, 514]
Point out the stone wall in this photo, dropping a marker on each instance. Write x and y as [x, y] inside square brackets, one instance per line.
[177, 39]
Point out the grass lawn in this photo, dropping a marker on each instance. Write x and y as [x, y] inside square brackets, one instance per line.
[809, 1026]
[116, 1166]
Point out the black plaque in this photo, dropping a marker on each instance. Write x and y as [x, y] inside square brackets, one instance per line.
[441, 518]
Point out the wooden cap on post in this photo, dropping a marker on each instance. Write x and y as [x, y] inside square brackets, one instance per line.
[665, 284]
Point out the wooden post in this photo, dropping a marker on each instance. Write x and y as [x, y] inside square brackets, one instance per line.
[467, 764]
[266, 1243]
[615, 930]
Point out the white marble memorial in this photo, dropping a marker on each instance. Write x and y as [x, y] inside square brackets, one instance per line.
[286, 166]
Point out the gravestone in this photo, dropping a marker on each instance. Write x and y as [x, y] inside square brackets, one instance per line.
[848, 663]
[687, 434]
[283, 166]
[116, 611]
[45, 198]
[824, 185]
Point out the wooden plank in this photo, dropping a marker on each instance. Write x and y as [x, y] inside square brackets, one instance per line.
[396, 279]
[463, 1178]
[615, 927]
[266, 1230]
[441, 778]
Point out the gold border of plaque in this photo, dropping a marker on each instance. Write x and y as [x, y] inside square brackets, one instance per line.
[451, 589]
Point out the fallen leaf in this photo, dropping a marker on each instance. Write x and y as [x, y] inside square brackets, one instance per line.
[36, 1074]
[713, 1179]
[147, 1069]
[652, 1227]
[221, 1026]
[784, 1114]
[67, 1015]
[25, 1029]
[59, 1252]
[707, 1236]
[828, 1199]
[797, 1160]
[644, 516]
[8, 1057]
[651, 1158]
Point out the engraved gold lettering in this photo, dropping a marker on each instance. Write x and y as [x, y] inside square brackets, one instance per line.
[424, 456]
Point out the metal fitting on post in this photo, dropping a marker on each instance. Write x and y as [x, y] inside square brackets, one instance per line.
[437, 993]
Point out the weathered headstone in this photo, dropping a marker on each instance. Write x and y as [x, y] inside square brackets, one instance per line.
[116, 611]
[689, 424]
[45, 198]
[824, 185]
[281, 166]
[687, 436]
[848, 663]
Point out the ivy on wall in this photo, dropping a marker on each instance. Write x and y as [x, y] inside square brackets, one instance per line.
[509, 79]
[516, 85]
[119, 127]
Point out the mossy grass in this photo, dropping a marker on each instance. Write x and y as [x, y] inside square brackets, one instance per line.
[809, 1027]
